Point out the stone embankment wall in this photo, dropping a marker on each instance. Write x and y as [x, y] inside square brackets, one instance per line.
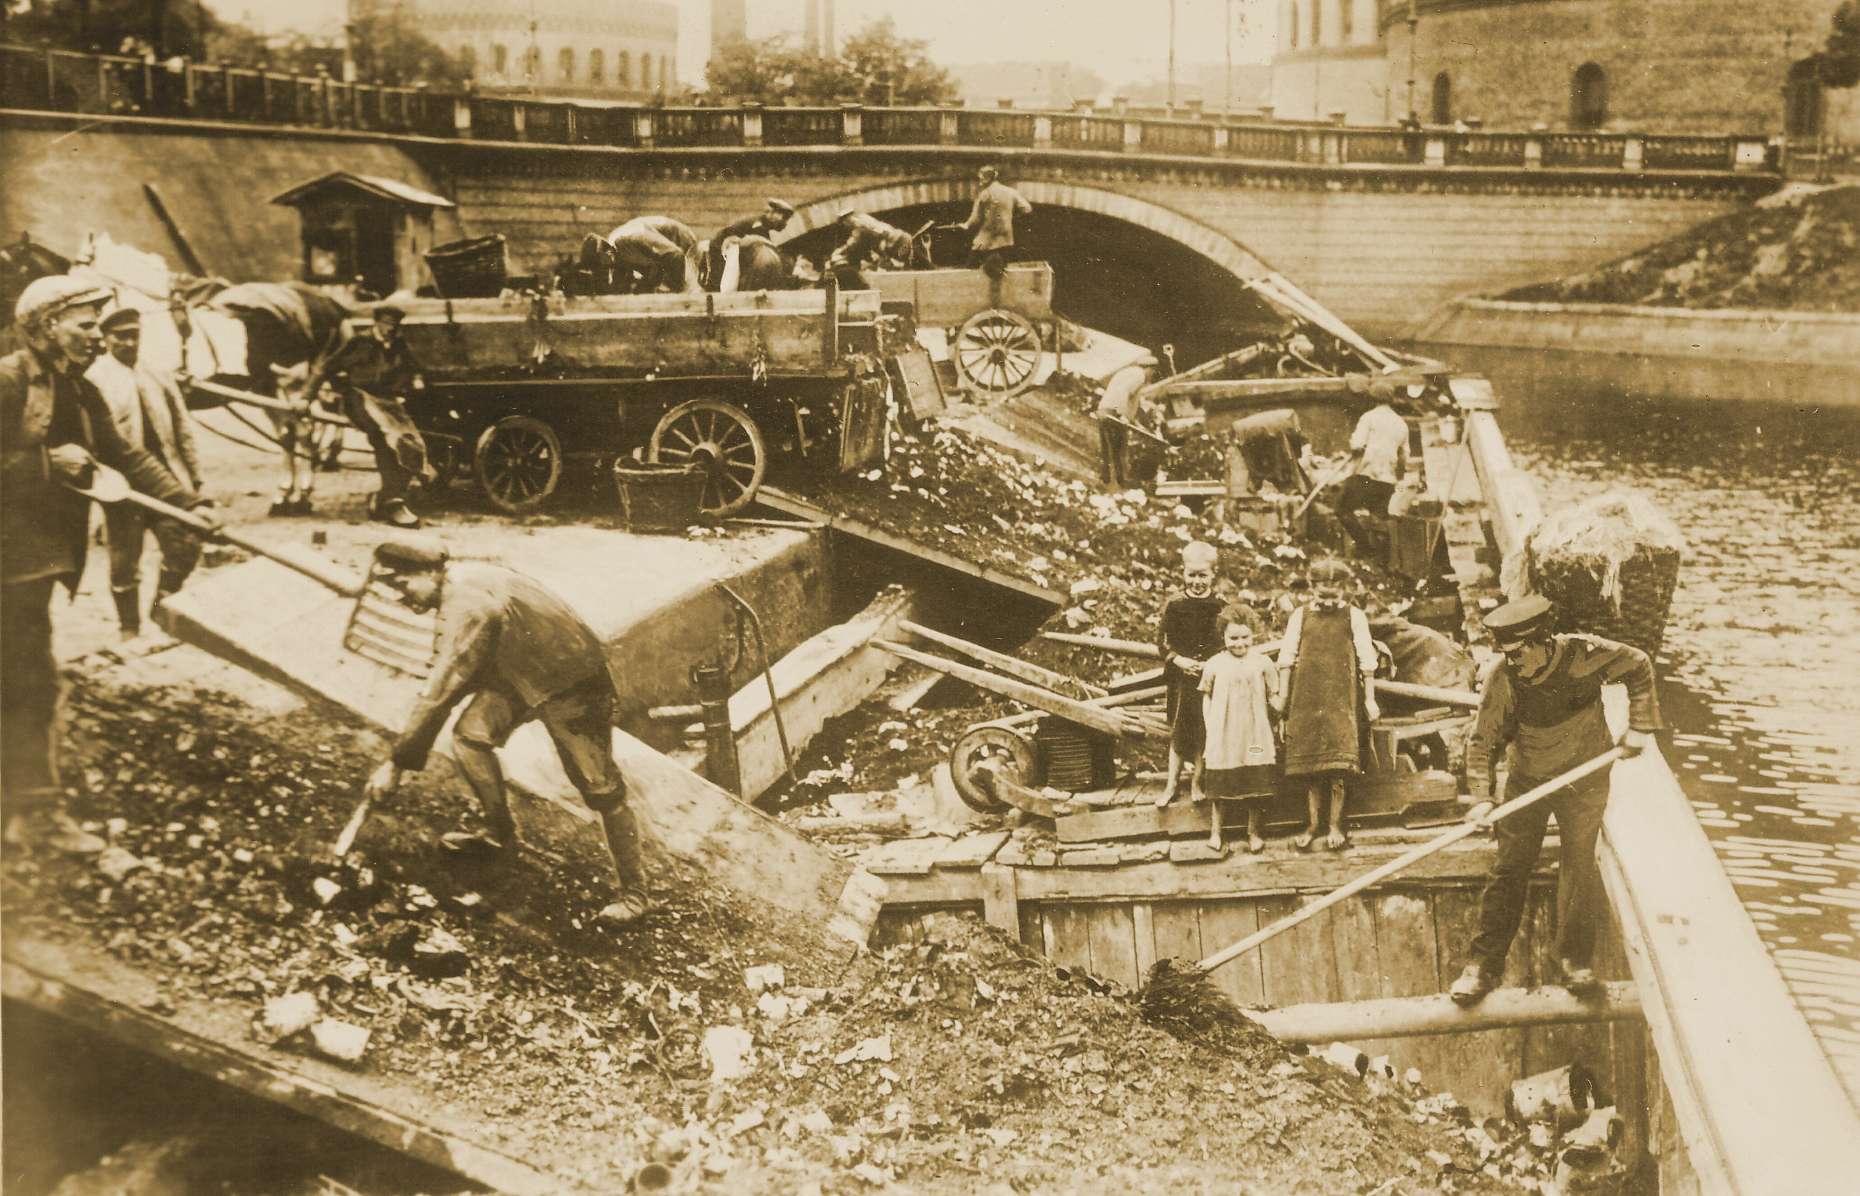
[1542, 349]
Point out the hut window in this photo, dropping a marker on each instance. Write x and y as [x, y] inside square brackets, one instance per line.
[597, 66]
[1588, 97]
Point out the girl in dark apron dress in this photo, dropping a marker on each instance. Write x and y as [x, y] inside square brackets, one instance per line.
[1327, 664]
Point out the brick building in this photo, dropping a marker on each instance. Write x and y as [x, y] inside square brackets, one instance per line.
[581, 49]
[1671, 66]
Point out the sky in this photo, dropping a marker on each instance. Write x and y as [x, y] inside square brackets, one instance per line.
[1121, 40]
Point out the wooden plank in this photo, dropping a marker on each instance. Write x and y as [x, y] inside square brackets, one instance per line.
[825, 677]
[1111, 931]
[1759, 1102]
[1299, 966]
[1228, 922]
[1013, 667]
[906, 857]
[1435, 1015]
[98, 993]
[1143, 925]
[1095, 717]
[1478, 1067]
[1133, 822]
[972, 851]
[1121, 647]
[1408, 959]
[1353, 939]
[788, 504]
[1000, 904]
[1069, 933]
[1177, 927]
[940, 887]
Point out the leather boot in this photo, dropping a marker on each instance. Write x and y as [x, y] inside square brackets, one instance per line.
[128, 611]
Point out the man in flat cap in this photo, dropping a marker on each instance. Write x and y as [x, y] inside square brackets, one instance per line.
[513, 652]
[868, 239]
[1379, 448]
[992, 221]
[766, 223]
[1544, 703]
[55, 430]
[149, 413]
[374, 373]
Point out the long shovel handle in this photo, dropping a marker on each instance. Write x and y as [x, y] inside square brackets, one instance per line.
[321, 571]
[346, 839]
[1317, 489]
[1401, 862]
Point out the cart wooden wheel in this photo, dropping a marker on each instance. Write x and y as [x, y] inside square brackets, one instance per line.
[723, 439]
[1017, 760]
[998, 352]
[519, 462]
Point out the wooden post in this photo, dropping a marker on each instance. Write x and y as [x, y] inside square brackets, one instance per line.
[1010, 665]
[1000, 901]
[1416, 1017]
[1096, 717]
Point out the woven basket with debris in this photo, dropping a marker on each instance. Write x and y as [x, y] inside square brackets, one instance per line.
[1611, 565]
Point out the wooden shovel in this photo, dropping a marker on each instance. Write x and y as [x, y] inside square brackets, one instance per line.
[1401, 862]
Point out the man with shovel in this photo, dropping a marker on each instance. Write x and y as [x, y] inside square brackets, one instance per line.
[55, 434]
[1544, 703]
[514, 653]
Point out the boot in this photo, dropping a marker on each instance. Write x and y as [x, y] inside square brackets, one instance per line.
[128, 611]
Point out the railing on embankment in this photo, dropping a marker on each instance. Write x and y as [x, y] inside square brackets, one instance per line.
[106, 85]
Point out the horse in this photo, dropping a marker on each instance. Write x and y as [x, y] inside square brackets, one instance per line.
[288, 327]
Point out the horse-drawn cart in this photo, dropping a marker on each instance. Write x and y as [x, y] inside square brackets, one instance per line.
[997, 327]
[517, 388]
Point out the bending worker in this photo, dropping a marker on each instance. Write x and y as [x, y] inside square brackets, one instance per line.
[660, 250]
[515, 653]
[765, 223]
[1544, 703]
[867, 238]
[1118, 408]
[55, 429]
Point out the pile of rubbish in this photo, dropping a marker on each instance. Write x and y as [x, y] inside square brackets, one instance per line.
[1794, 251]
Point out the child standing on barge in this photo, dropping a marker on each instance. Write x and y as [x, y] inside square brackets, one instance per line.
[1240, 698]
[1326, 666]
[1187, 636]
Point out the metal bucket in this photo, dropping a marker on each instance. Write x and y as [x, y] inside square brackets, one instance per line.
[659, 498]
[1564, 1097]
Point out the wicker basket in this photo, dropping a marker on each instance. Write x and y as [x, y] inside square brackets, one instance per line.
[474, 269]
[1647, 581]
[660, 498]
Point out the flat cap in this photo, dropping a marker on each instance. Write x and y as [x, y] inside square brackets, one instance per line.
[411, 553]
[1381, 390]
[120, 317]
[387, 311]
[46, 297]
[782, 206]
[1521, 620]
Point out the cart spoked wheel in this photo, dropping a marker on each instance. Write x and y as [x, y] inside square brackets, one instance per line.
[519, 462]
[998, 352]
[725, 441]
[1013, 752]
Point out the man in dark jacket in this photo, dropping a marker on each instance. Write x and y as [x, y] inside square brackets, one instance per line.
[992, 221]
[765, 223]
[55, 429]
[868, 239]
[514, 653]
[1544, 703]
[374, 372]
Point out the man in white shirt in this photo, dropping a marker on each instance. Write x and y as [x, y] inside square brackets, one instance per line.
[149, 412]
[1379, 447]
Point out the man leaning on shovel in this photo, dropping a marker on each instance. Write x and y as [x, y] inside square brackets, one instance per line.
[514, 653]
[1544, 702]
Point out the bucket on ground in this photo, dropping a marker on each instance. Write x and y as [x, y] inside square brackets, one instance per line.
[659, 497]
[472, 269]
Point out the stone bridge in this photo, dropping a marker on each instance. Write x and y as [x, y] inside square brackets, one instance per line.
[1151, 225]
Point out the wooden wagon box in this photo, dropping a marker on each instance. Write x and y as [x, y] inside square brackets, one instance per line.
[783, 332]
[947, 298]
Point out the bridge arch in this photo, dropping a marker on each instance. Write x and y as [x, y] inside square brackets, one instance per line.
[1127, 266]
[1212, 244]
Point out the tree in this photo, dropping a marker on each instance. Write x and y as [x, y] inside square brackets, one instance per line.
[874, 66]
[161, 27]
[1838, 64]
[388, 48]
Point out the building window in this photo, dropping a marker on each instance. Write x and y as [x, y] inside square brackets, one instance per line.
[665, 62]
[1346, 21]
[500, 58]
[623, 70]
[645, 72]
[532, 65]
[1317, 22]
[565, 62]
[1443, 99]
[468, 61]
[597, 66]
[1294, 26]
[1588, 97]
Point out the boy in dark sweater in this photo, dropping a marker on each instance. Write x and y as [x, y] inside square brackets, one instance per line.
[1188, 634]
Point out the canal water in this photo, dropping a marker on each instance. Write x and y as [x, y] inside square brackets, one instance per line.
[1761, 663]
